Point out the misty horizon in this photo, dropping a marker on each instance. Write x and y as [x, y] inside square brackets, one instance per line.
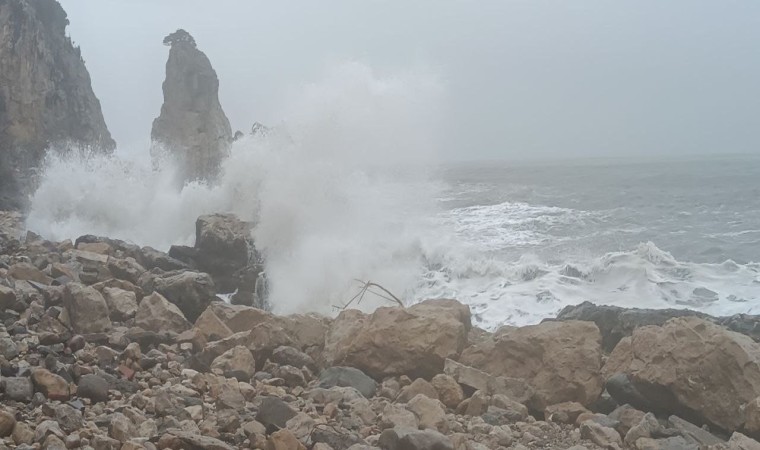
[521, 80]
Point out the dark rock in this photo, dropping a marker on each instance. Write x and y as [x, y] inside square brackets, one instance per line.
[274, 412]
[192, 292]
[335, 438]
[152, 258]
[68, 418]
[93, 387]
[348, 377]
[18, 389]
[224, 246]
[623, 391]
[410, 439]
[291, 356]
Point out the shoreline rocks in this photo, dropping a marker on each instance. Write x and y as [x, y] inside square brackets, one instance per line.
[138, 357]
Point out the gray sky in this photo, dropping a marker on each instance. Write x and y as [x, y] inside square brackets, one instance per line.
[528, 78]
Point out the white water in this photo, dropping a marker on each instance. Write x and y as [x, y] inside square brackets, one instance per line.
[342, 192]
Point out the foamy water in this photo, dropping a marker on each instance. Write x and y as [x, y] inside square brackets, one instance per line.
[348, 189]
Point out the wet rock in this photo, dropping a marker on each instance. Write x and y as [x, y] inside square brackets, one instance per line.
[157, 314]
[87, 309]
[413, 341]
[692, 368]
[348, 377]
[560, 360]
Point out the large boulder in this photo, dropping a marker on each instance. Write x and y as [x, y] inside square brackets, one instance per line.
[692, 368]
[223, 246]
[192, 292]
[560, 360]
[88, 310]
[158, 315]
[411, 341]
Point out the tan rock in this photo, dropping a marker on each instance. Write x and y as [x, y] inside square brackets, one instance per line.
[27, 272]
[413, 341]
[739, 441]
[430, 413]
[23, 434]
[514, 388]
[418, 386]
[560, 360]
[284, 440]
[156, 314]
[600, 435]
[211, 327]
[237, 360]
[449, 391]
[566, 412]
[690, 365]
[51, 385]
[122, 305]
[7, 423]
[88, 310]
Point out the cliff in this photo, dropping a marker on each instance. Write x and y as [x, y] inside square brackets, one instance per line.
[192, 128]
[46, 96]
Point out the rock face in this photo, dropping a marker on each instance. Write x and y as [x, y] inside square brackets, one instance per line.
[692, 368]
[192, 128]
[45, 94]
[560, 360]
[392, 341]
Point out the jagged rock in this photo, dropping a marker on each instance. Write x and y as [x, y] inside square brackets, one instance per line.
[18, 389]
[237, 362]
[224, 246]
[7, 297]
[122, 305]
[566, 412]
[156, 314]
[410, 439]
[627, 417]
[152, 258]
[477, 380]
[430, 413]
[274, 412]
[693, 432]
[449, 391]
[177, 439]
[192, 128]
[68, 418]
[27, 272]
[560, 360]
[602, 436]
[692, 368]
[87, 309]
[418, 386]
[7, 423]
[348, 377]
[411, 341]
[739, 441]
[211, 327]
[286, 355]
[46, 96]
[192, 292]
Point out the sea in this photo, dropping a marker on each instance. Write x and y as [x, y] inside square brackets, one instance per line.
[350, 191]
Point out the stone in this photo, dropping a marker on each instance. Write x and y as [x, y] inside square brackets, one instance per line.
[418, 386]
[18, 389]
[87, 309]
[449, 391]
[410, 439]
[648, 427]
[513, 411]
[68, 418]
[51, 385]
[430, 413]
[566, 412]
[692, 368]
[93, 387]
[627, 416]
[392, 341]
[600, 435]
[274, 412]
[211, 327]
[122, 305]
[301, 426]
[8, 348]
[671, 443]
[752, 417]
[477, 380]
[739, 441]
[192, 292]
[192, 130]
[290, 356]
[27, 272]
[177, 439]
[236, 361]
[127, 269]
[560, 360]
[397, 416]
[284, 440]
[23, 434]
[157, 314]
[224, 246]
[121, 428]
[228, 394]
[693, 432]
[7, 423]
[152, 258]
[7, 297]
[348, 377]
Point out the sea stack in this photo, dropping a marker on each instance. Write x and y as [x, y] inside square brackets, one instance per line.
[192, 129]
[46, 98]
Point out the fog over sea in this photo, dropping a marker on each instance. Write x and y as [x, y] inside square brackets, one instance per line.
[349, 187]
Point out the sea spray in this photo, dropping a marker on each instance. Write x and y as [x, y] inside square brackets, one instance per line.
[340, 192]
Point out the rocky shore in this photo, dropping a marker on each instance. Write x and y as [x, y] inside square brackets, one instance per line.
[107, 345]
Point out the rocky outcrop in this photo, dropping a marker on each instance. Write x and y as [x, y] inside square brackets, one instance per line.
[413, 341]
[692, 368]
[560, 360]
[192, 130]
[46, 98]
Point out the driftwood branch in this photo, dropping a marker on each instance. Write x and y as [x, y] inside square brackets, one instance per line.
[369, 287]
